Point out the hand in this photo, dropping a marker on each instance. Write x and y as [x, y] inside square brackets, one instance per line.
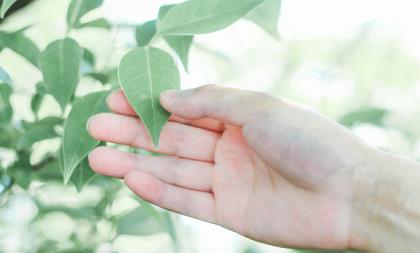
[256, 164]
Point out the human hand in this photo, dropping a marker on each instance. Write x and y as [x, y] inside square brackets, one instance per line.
[253, 163]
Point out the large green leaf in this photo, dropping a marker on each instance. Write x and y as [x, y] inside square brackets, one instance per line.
[180, 44]
[39, 131]
[204, 16]
[144, 220]
[266, 16]
[6, 111]
[21, 45]
[145, 33]
[60, 65]
[79, 8]
[5, 5]
[144, 73]
[82, 175]
[77, 143]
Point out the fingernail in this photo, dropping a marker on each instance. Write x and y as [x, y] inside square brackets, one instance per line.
[169, 94]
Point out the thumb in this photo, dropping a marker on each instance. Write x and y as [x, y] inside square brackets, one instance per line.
[232, 106]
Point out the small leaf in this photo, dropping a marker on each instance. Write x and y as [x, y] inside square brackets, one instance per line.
[21, 45]
[38, 98]
[6, 111]
[203, 16]
[144, 73]
[145, 33]
[39, 131]
[89, 57]
[77, 143]
[60, 64]
[8, 136]
[109, 76]
[6, 4]
[144, 220]
[82, 175]
[79, 8]
[180, 44]
[97, 23]
[373, 116]
[266, 16]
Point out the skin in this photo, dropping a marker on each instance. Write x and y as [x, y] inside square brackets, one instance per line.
[266, 168]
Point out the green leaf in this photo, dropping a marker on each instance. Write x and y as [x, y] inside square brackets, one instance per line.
[6, 111]
[144, 220]
[373, 116]
[180, 44]
[89, 57]
[6, 4]
[39, 131]
[60, 65]
[21, 45]
[97, 23]
[77, 143]
[266, 16]
[38, 98]
[8, 136]
[203, 16]
[82, 175]
[79, 8]
[145, 33]
[144, 73]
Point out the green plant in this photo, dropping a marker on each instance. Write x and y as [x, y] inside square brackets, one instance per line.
[143, 73]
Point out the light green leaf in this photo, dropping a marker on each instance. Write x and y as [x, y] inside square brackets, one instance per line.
[373, 116]
[180, 44]
[143, 74]
[266, 16]
[145, 33]
[144, 220]
[97, 23]
[82, 175]
[79, 8]
[77, 143]
[21, 45]
[60, 64]
[39, 131]
[203, 16]
[6, 111]
[6, 4]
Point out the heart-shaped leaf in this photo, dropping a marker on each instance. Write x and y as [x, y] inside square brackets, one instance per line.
[77, 143]
[60, 65]
[143, 74]
[204, 16]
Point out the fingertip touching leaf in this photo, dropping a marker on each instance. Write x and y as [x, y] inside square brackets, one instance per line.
[60, 66]
[266, 15]
[77, 143]
[145, 33]
[203, 16]
[143, 74]
[5, 5]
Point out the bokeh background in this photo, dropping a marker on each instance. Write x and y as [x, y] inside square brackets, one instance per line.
[358, 62]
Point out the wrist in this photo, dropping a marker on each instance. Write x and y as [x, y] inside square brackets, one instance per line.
[385, 204]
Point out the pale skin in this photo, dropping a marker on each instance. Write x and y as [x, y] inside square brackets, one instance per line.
[266, 168]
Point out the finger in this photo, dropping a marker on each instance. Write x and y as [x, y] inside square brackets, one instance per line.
[232, 106]
[180, 172]
[118, 103]
[176, 139]
[192, 203]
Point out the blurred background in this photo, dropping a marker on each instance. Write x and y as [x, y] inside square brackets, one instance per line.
[358, 62]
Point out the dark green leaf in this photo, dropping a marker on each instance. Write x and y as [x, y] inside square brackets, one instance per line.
[373, 116]
[89, 57]
[82, 175]
[144, 73]
[79, 8]
[180, 44]
[37, 98]
[203, 16]
[144, 220]
[97, 23]
[21, 171]
[21, 45]
[39, 131]
[6, 111]
[266, 16]
[145, 33]
[5, 5]
[77, 143]
[60, 65]
[8, 136]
